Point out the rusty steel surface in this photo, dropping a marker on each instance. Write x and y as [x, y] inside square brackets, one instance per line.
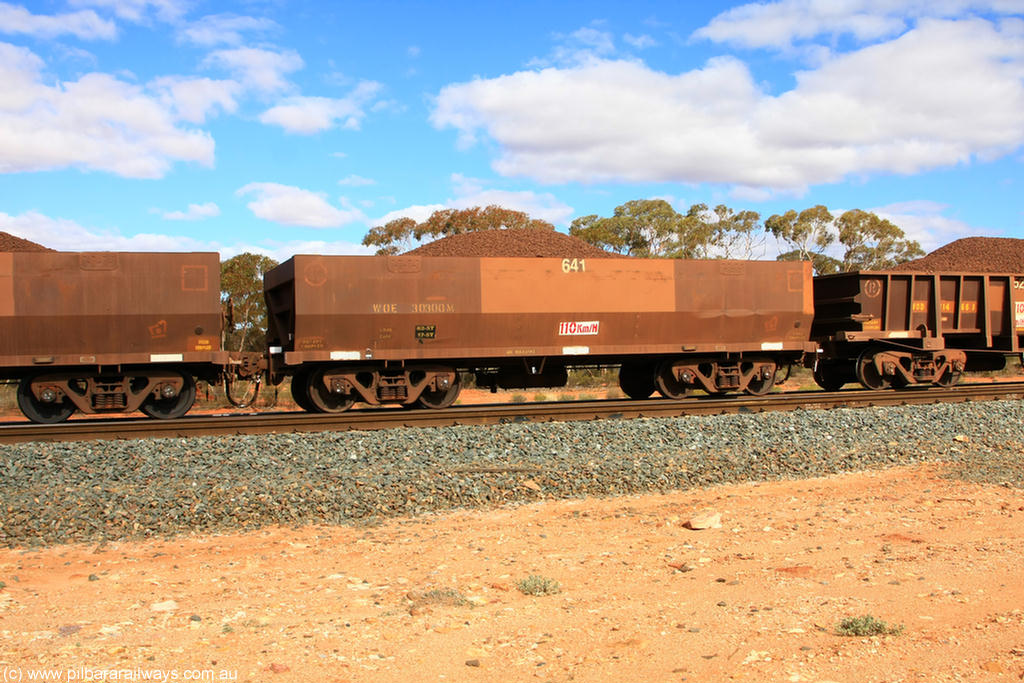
[108, 308]
[269, 423]
[358, 308]
[968, 311]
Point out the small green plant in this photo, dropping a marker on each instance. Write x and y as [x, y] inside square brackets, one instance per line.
[867, 625]
[519, 398]
[540, 398]
[584, 396]
[565, 396]
[442, 596]
[538, 585]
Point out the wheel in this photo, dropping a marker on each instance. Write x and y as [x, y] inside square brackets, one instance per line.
[441, 398]
[867, 373]
[41, 411]
[760, 386]
[829, 376]
[175, 406]
[300, 390]
[667, 384]
[322, 400]
[636, 380]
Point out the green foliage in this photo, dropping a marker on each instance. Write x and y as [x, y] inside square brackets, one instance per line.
[538, 585]
[241, 284]
[9, 395]
[808, 232]
[822, 264]
[738, 234]
[652, 228]
[873, 243]
[540, 398]
[870, 242]
[865, 626]
[400, 234]
[519, 398]
[592, 377]
[642, 227]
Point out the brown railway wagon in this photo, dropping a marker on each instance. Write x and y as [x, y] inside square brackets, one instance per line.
[109, 331]
[401, 328]
[891, 328]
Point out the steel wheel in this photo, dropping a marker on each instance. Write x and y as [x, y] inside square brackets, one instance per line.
[175, 406]
[759, 387]
[867, 373]
[829, 376]
[441, 398]
[300, 391]
[667, 384]
[636, 380]
[41, 411]
[323, 400]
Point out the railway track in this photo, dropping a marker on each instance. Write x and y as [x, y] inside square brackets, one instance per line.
[390, 418]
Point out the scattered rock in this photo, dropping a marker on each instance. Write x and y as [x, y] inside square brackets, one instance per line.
[225, 484]
[165, 606]
[278, 668]
[9, 242]
[972, 255]
[705, 520]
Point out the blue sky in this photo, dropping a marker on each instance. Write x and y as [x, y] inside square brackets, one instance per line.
[293, 127]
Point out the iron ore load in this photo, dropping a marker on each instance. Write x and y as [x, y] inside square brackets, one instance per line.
[117, 332]
[402, 329]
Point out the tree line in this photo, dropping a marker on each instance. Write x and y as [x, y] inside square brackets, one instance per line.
[646, 228]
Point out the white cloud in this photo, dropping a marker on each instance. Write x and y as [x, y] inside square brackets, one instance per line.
[417, 212]
[939, 95]
[138, 10]
[86, 24]
[641, 42]
[223, 29]
[194, 212]
[96, 122]
[194, 98]
[925, 222]
[307, 115]
[294, 206]
[471, 192]
[782, 23]
[579, 47]
[282, 251]
[68, 235]
[356, 181]
[257, 68]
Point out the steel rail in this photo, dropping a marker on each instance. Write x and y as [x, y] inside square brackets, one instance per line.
[390, 418]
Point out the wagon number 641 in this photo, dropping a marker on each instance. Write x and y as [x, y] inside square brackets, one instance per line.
[578, 265]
